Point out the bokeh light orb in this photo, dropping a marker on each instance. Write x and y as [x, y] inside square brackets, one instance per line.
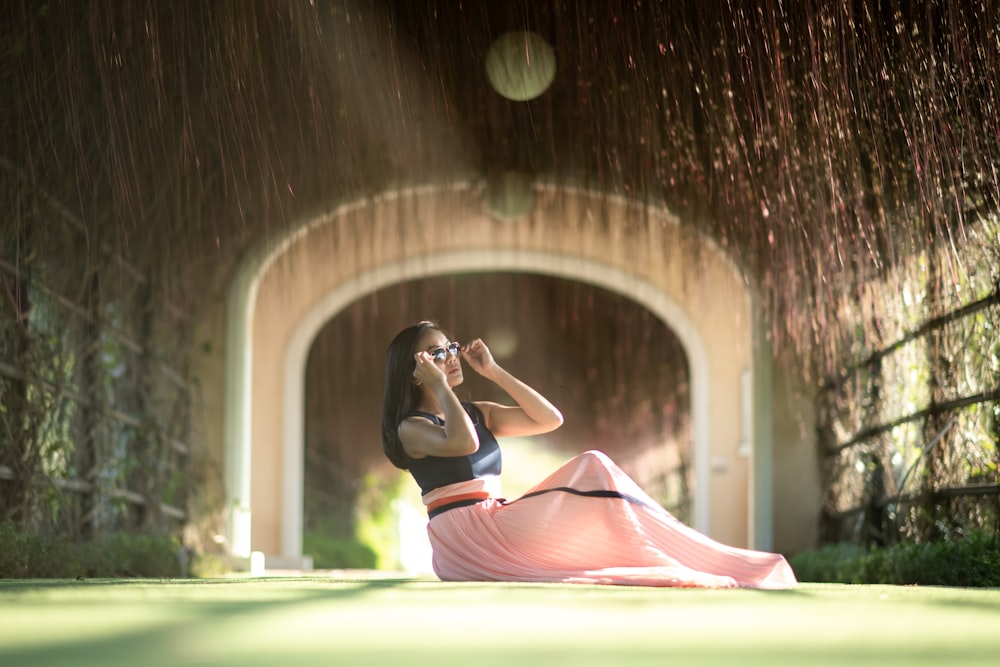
[503, 341]
[509, 195]
[521, 65]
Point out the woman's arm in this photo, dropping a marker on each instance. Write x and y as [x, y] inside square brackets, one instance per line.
[534, 414]
[421, 437]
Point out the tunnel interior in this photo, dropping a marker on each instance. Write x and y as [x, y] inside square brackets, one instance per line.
[617, 372]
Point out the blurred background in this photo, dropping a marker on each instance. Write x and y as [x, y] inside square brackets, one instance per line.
[159, 158]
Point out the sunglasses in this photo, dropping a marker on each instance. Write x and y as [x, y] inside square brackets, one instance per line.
[441, 353]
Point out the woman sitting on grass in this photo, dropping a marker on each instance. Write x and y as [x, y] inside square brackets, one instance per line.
[587, 522]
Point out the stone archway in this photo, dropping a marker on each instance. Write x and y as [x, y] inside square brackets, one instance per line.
[269, 335]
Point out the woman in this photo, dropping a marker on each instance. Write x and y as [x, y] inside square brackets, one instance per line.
[588, 522]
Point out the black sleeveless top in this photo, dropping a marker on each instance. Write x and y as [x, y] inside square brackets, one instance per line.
[432, 472]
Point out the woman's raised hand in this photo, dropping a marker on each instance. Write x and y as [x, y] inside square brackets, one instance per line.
[479, 357]
[426, 371]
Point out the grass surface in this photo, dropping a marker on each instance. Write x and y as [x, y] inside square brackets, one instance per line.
[304, 621]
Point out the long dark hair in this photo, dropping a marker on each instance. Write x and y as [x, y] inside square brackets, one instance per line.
[401, 394]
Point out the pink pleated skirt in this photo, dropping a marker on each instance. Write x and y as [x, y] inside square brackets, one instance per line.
[590, 523]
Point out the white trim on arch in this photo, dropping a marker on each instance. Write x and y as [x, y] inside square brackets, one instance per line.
[582, 270]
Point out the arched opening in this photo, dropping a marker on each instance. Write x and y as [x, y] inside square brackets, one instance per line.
[617, 371]
[615, 281]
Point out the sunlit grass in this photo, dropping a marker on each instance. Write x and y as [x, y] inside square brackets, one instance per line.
[312, 621]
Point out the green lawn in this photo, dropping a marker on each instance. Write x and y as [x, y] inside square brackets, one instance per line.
[304, 621]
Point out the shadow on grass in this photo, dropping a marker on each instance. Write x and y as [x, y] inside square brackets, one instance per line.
[23, 585]
[979, 598]
[157, 643]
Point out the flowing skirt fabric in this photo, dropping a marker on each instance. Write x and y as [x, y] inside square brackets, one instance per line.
[557, 535]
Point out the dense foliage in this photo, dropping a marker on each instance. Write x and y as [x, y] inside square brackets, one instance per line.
[32, 556]
[973, 561]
